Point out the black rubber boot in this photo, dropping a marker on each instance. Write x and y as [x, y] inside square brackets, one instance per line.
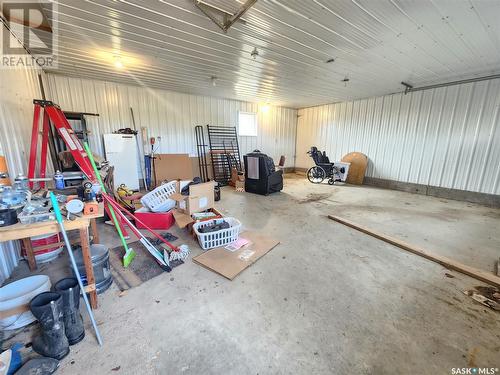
[47, 308]
[73, 324]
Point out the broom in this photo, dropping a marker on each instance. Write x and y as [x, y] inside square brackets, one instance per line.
[177, 253]
[160, 258]
[129, 253]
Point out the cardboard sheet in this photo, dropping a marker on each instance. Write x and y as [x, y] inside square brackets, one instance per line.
[357, 169]
[231, 264]
[196, 166]
[173, 167]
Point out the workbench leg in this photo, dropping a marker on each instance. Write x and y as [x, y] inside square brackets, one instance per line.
[95, 232]
[29, 253]
[87, 260]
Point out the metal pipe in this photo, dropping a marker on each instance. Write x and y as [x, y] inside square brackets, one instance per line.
[59, 219]
[453, 83]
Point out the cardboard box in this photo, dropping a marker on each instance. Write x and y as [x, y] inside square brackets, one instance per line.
[186, 221]
[200, 198]
[234, 177]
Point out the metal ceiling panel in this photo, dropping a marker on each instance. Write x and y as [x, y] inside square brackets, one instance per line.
[376, 44]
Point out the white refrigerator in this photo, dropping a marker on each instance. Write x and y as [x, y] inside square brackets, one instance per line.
[121, 152]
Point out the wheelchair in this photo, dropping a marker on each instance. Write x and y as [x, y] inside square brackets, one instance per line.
[323, 168]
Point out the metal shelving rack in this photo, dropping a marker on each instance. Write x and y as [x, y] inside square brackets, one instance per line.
[224, 152]
[201, 148]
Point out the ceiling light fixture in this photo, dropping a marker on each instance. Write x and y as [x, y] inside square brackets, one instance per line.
[254, 53]
[330, 60]
[118, 62]
[345, 80]
[407, 86]
[213, 80]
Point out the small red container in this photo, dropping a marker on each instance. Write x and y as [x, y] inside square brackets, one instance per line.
[154, 220]
[43, 240]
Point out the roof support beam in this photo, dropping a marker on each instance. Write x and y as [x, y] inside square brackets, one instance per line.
[227, 20]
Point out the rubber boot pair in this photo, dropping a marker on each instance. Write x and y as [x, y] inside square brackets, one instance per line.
[60, 319]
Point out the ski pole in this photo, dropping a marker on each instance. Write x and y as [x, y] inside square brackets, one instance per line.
[59, 219]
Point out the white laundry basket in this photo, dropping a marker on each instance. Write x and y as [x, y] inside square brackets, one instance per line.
[158, 199]
[219, 238]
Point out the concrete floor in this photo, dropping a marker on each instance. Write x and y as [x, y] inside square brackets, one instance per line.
[327, 300]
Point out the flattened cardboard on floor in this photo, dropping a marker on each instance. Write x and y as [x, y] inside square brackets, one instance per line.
[231, 264]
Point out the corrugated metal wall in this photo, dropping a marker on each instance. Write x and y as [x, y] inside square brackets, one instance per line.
[18, 88]
[170, 115]
[9, 258]
[447, 137]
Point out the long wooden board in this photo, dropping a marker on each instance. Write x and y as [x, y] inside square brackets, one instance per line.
[444, 261]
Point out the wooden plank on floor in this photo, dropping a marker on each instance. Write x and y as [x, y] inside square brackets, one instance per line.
[476, 273]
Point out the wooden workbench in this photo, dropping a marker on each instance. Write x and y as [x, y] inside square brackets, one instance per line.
[23, 232]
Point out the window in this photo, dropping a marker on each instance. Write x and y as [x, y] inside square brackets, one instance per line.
[247, 124]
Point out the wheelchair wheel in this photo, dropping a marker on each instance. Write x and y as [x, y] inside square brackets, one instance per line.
[316, 174]
[331, 181]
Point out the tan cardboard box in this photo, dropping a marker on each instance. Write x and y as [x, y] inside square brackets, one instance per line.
[200, 198]
[186, 221]
[240, 185]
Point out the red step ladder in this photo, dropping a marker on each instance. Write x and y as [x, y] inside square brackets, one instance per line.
[52, 113]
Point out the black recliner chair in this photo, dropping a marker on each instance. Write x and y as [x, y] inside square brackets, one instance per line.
[261, 177]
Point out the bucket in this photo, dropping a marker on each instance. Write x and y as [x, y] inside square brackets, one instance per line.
[48, 254]
[217, 192]
[8, 216]
[19, 293]
[100, 263]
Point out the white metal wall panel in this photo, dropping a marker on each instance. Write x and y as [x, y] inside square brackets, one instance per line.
[171, 115]
[447, 137]
[18, 88]
[9, 258]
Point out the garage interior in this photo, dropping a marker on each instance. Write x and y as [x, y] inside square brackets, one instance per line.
[250, 187]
